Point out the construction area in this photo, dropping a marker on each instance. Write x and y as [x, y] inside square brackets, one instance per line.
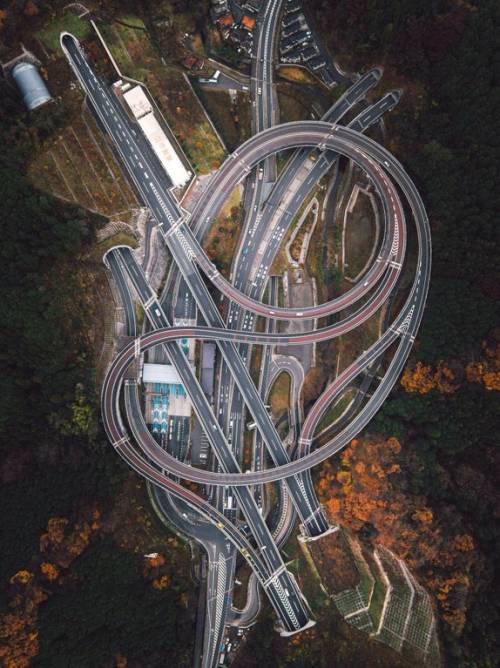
[375, 592]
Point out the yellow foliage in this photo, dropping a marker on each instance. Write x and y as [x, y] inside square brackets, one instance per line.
[422, 379]
[487, 370]
[21, 577]
[55, 533]
[491, 380]
[344, 477]
[419, 380]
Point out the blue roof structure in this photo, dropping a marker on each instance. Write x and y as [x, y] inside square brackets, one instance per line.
[30, 83]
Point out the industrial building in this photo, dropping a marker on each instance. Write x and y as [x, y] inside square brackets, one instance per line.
[31, 85]
[165, 151]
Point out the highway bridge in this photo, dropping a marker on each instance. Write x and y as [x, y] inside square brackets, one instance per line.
[317, 144]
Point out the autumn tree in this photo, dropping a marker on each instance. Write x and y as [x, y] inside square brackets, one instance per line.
[366, 490]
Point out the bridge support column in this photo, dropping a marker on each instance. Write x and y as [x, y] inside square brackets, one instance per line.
[319, 518]
[286, 634]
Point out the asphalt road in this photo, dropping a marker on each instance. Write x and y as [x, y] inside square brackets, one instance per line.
[376, 287]
[403, 327]
[281, 587]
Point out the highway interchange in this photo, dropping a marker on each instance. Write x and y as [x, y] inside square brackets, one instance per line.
[318, 145]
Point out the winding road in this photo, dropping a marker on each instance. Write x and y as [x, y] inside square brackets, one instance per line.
[128, 433]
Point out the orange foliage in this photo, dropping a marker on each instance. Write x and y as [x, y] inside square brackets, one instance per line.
[451, 592]
[18, 634]
[487, 370]
[464, 543]
[491, 380]
[50, 571]
[424, 515]
[418, 380]
[64, 546]
[423, 379]
[366, 489]
[21, 577]
[154, 562]
[162, 582]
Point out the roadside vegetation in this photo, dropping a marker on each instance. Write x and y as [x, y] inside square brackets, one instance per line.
[51, 31]
[445, 410]
[279, 395]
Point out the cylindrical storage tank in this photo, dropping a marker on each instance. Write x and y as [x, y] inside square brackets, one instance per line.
[31, 85]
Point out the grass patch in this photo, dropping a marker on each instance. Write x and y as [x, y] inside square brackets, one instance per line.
[335, 411]
[279, 396]
[310, 585]
[296, 74]
[133, 21]
[77, 158]
[231, 120]
[360, 235]
[281, 294]
[256, 363]
[293, 104]
[49, 34]
[222, 238]
[377, 601]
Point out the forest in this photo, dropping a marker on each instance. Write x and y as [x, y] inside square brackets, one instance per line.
[75, 523]
[445, 413]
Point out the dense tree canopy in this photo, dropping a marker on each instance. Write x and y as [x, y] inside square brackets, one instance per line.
[446, 57]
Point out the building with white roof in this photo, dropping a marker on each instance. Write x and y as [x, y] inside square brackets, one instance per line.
[165, 151]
